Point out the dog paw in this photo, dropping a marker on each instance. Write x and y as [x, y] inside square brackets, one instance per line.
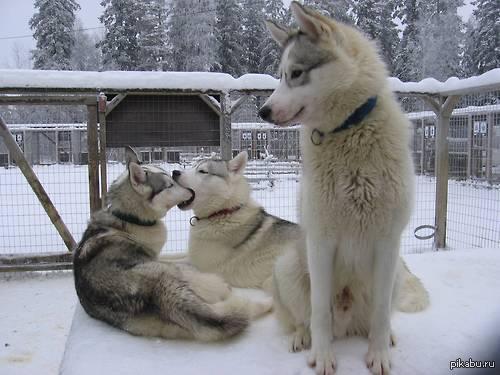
[392, 340]
[258, 309]
[323, 360]
[300, 340]
[378, 361]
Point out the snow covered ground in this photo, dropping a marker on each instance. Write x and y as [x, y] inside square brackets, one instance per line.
[462, 322]
[473, 209]
[35, 317]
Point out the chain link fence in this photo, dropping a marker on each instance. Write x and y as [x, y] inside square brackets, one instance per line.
[167, 133]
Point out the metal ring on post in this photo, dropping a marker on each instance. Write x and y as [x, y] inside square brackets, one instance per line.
[429, 236]
[193, 220]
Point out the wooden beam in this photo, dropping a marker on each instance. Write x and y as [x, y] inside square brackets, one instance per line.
[36, 186]
[102, 104]
[489, 145]
[441, 207]
[211, 102]
[45, 99]
[225, 127]
[238, 102]
[114, 102]
[93, 152]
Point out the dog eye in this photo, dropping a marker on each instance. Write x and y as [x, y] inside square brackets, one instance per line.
[202, 171]
[296, 73]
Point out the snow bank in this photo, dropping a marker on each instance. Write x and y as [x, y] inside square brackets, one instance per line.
[462, 318]
[203, 81]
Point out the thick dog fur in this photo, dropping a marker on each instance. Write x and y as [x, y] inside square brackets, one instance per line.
[119, 280]
[240, 245]
[356, 192]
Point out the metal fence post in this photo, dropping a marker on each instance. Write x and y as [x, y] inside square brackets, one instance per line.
[443, 111]
[225, 126]
[93, 152]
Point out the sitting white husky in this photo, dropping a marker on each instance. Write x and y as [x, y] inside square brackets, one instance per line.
[357, 188]
[231, 234]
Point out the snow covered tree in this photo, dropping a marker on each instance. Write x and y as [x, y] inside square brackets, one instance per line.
[120, 46]
[271, 51]
[53, 31]
[484, 50]
[441, 39]
[408, 60]
[375, 18]
[229, 52]
[254, 32]
[152, 36]
[190, 35]
[336, 9]
[85, 54]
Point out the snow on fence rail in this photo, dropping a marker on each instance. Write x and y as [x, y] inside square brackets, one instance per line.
[468, 201]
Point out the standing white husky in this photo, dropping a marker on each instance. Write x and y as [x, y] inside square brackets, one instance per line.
[357, 187]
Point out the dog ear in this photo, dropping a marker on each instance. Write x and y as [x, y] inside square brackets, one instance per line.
[131, 156]
[311, 25]
[136, 174]
[238, 163]
[279, 33]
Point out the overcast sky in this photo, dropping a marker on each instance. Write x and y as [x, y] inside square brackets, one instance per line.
[15, 31]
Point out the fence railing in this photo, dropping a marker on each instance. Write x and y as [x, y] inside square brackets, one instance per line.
[456, 148]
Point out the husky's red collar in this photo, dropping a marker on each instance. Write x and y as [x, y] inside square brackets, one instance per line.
[224, 212]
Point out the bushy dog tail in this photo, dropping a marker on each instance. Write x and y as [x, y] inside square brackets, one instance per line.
[212, 322]
[412, 295]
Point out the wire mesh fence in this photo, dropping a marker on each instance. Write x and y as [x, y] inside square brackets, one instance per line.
[58, 154]
[167, 131]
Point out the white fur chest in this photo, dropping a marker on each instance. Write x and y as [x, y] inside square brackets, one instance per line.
[153, 237]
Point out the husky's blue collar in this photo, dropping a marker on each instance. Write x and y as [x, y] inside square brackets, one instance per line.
[132, 219]
[317, 136]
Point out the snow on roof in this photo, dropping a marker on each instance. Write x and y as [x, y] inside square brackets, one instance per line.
[470, 110]
[47, 126]
[204, 81]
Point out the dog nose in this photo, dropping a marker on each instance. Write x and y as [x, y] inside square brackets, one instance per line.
[265, 113]
[176, 174]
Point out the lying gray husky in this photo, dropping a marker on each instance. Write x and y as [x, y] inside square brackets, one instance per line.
[119, 280]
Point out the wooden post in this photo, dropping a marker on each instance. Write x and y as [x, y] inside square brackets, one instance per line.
[102, 147]
[93, 151]
[37, 187]
[441, 168]
[489, 152]
[469, 146]
[225, 127]
[422, 147]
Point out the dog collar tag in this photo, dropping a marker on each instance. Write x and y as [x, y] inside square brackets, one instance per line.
[317, 137]
[193, 220]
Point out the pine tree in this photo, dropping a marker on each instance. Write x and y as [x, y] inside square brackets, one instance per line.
[441, 39]
[120, 46]
[468, 64]
[227, 31]
[152, 36]
[85, 54]
[190, 35]
[336, 9]
[408, 61]
[375, 18]
[271, 51]
[485, 54]
[53, 31]
[254, 32]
